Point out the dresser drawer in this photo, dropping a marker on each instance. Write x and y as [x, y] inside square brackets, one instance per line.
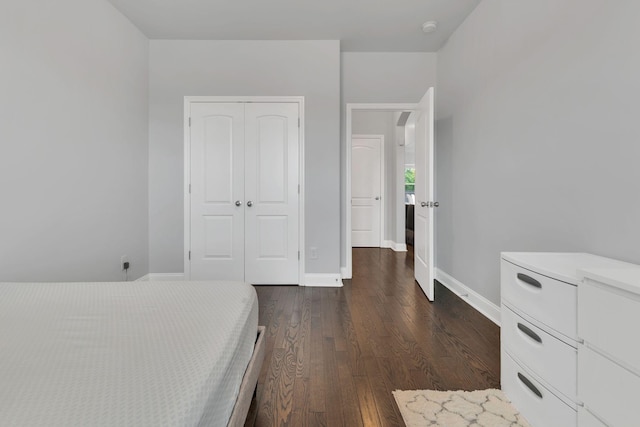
[543, 354]
[608, 320]
[608, 390]
[549, 301]
[587, 419]
[536, 403]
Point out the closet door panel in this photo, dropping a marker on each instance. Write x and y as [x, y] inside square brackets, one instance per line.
[217, 182]
[271, 189]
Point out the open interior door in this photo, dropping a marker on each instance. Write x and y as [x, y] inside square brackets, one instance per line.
[423, 221]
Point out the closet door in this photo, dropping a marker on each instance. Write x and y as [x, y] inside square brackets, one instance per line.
[217, 191]
[271, 192]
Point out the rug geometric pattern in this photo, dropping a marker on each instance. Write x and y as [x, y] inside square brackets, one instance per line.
[480, 408]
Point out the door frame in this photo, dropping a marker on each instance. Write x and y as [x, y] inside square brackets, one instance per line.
[382, 180]
[347, 270]
[188, 100]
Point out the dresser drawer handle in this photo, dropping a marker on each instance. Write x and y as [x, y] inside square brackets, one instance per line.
[529, 333]
[530, 385]
[529, 280]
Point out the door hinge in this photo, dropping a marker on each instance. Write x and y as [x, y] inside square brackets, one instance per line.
[189, 188]
[298, 121]
[189, 255]
[189, 121]
[298, 255]
[298, 188]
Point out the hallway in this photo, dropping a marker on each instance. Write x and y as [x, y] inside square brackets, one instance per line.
[334, 355]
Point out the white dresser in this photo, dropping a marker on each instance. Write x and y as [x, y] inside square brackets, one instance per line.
[539, 337]
[609, 358]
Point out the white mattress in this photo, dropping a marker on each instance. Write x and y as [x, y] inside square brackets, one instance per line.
[124, 353]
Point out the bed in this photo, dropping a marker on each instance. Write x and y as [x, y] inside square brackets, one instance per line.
[128, 353]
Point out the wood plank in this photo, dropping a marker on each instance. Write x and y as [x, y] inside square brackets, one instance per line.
[334, 403]
[319, 390]
[350, 404]
[367, 402]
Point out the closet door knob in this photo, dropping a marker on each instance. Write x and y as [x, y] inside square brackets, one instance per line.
[436, 204]
[377, 198]
[249, 203]
[238, 203]
[423, 204]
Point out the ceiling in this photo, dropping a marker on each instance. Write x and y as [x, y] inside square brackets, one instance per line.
[361, 25]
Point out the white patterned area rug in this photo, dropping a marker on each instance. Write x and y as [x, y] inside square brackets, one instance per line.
[480, 408]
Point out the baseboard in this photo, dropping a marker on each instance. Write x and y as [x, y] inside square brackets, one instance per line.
[474, 299]
[345, 273]
[323, 280]
[161, 277]
[400, 247]
[397, 247]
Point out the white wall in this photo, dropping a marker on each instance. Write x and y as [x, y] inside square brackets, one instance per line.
[382, 123]
[387, 76]
[538, 108]
[73, 142]
[380, 77]
[252, 68]
[444, 179]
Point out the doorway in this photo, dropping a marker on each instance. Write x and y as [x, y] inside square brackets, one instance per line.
[421, 118]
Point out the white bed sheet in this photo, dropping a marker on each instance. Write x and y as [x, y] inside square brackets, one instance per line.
[123, 353]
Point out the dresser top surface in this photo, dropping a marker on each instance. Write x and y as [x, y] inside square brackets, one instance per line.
[562, 266]
[627, 279]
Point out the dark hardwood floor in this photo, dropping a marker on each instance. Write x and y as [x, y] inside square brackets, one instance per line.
[334, 355]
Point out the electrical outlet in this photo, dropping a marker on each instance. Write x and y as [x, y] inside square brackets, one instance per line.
[124, 259]
[313, 252]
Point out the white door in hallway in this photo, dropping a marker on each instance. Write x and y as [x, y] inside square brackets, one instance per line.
[424, 194]
[244, 192]
[366, 190]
